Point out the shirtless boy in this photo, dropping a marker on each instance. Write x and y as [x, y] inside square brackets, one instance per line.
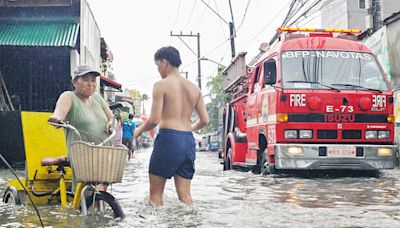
[174, 99]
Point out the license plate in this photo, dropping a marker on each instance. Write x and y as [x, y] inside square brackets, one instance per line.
[342, 152]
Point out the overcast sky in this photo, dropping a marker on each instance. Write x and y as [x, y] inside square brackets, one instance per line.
[134, 30]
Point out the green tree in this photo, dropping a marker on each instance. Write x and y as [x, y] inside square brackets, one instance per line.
[218, 100]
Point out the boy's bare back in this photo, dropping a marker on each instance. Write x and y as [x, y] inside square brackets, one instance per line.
[180, 98]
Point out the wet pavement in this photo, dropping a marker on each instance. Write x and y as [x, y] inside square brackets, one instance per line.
[234, 199]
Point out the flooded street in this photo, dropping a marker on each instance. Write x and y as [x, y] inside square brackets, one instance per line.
[234, 199]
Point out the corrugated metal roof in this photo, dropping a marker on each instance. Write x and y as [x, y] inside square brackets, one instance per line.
[43, 34]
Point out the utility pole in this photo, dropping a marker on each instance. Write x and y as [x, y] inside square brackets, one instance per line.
[232, 32]
[376, 11]
[198, 52]
[186, 73]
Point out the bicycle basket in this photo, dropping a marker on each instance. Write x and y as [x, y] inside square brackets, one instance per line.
[98, 163]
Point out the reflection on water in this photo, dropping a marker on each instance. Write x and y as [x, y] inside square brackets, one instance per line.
[236, 199]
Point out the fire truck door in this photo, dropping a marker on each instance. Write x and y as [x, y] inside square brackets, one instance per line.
[252, 109]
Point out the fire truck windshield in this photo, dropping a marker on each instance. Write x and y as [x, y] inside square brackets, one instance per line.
[317, 69]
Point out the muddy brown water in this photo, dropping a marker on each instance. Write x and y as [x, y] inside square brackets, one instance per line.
[234, 199]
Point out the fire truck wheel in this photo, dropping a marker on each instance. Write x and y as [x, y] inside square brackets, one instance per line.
[228, 162]
[266, 167]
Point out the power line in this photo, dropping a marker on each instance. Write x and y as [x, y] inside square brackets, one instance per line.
[201, 18]
[255, 37]
[305, 13]
[187, 45]
[284, 21]
[326, 3]
[215, 12]
[198, 52]
[220, 23]
[244, 16]
[217, 47]
[334, 6]
[177, 13]
[191, 14]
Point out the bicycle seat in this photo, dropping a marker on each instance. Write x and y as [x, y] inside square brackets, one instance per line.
[48, 161]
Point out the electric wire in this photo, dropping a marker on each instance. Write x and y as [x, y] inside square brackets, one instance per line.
[244, 16]
[177, 13]
[23, 186]
[284, 21]
[306, 11]
[191, 15]
[201, 18]
[325, 4]
[220, 23]
[255, 37]
[215, 12]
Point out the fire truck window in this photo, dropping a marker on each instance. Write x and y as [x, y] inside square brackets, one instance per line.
[269, 72]
[256, 84]
[319, 69]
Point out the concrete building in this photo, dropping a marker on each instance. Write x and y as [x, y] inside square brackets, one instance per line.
[356, 14]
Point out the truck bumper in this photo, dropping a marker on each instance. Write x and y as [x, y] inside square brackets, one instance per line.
[316, 156]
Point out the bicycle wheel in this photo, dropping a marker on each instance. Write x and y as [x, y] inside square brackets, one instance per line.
[105, 204]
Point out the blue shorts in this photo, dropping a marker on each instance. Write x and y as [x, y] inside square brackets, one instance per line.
[173, 154]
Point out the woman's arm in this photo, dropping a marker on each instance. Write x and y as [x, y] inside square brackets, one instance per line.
[109, 116]
[63, 106]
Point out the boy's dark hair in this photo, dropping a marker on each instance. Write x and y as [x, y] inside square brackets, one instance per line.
[130, 116]
[170, 54]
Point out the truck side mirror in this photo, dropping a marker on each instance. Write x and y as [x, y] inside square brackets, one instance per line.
[270, 72]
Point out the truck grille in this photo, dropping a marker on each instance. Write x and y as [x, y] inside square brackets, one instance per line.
[327, 134]
[351, 134]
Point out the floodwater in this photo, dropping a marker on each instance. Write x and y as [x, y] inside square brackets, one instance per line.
[234, 199]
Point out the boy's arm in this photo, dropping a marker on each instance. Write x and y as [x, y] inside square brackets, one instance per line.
[202, 113]
[156, 109]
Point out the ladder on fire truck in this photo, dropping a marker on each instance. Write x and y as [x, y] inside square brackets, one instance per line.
[236, 77]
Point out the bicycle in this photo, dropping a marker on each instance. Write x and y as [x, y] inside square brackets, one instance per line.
[93, 164]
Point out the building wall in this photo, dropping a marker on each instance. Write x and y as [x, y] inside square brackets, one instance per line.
[42, 8]
[356, 16]
[35, 77]
[334, 14]
[90, 38]
[389, 7]
[393, 41]
[347, 13]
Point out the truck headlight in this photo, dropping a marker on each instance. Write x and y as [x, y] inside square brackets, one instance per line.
[371, 134]
[305, 134]
[290, 134]
[295, 150]
[385, 152]
[383, 134]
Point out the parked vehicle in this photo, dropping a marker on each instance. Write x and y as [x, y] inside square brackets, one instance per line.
[316, 99]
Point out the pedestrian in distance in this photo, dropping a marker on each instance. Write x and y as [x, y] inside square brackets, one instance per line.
[128, 127]
[118, 132]
[174, 153]
[84, 109]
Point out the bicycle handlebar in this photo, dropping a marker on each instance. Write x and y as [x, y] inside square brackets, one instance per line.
[76, 131]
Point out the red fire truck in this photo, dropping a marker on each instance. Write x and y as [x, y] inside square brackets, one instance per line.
[314, 99]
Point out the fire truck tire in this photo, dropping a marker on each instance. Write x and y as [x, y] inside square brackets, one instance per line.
[266, 167]
[228, 163]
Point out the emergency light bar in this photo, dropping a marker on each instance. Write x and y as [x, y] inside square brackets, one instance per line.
[287, 29]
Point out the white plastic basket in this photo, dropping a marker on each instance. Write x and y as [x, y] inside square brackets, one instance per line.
[98, 163]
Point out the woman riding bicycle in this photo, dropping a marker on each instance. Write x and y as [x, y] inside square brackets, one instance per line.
[85, 110]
